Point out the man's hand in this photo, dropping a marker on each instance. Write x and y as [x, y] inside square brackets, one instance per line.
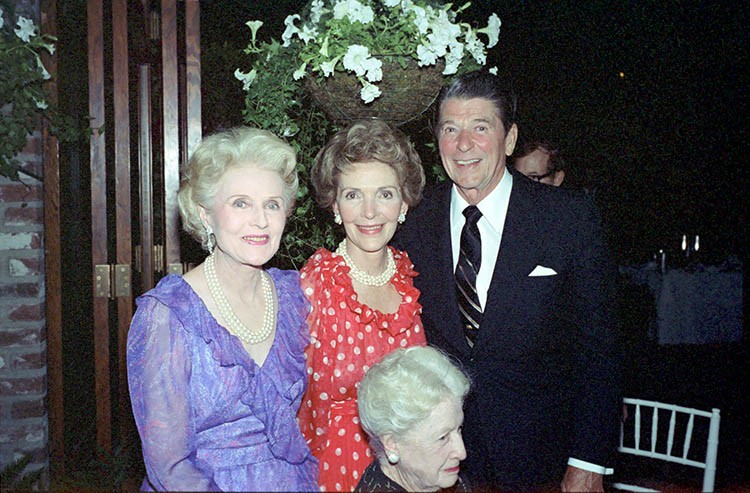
[579, 480]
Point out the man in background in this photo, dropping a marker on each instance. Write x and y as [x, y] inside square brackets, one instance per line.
[541, 162]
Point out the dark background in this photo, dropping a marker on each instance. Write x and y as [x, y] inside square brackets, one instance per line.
[646, 100]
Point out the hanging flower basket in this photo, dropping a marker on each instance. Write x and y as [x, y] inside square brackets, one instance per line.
[408, 90]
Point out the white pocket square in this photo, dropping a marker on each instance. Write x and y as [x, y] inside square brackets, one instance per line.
[540, 271]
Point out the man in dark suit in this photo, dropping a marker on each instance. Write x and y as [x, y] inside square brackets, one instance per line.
[533, 326]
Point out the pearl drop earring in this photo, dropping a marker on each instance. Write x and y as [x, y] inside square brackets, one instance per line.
[393, 457]
[337, 218]
[402, 217]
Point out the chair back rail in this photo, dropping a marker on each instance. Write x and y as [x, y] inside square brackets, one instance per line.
[650, 450]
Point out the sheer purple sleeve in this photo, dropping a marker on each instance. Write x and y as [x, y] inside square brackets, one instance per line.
[159, 370]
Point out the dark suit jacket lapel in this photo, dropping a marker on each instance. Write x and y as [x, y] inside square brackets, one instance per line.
[439, 272]
[514, 261]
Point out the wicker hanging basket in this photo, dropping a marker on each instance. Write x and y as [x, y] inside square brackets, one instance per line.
[406, 92]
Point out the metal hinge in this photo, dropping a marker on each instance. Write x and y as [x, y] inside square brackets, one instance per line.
[108, 276]
[157, 252]
[158, 261]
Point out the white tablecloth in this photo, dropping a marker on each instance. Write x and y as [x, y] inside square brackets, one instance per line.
[699, 305]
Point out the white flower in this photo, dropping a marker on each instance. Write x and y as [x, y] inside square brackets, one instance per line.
[444, 33]
[254, 26]
[426, 55]
[436, 45]
[26, 29]
[316, 11]
[492, 30]
[365, 15]
[41, 104]
[354, 11]
[356, 59]
[2, 19]
[492, 70]
[328, 67]
[453, 58]
[307, 34]
[290, 30]
[421, 20]
[300, 72]
[246, 79]
[435, 36]
[474, 46]
[49, 47]
[341, 9]
[369, 92]
[374, 70]
[45, 74]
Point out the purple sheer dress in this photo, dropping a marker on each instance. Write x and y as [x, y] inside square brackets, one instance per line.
[211, 419]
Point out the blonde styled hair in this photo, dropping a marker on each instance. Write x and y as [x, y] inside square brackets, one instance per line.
[239, 146]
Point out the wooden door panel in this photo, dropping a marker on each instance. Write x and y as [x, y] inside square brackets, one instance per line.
[167, 125]
[123, 212]
[99, 253]
[171, 129]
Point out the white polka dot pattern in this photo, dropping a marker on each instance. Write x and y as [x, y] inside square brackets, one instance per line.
[348, 337]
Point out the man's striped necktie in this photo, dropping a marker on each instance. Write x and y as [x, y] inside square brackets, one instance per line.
[469, 261]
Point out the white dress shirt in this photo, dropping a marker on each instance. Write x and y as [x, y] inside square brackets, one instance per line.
[493, 207]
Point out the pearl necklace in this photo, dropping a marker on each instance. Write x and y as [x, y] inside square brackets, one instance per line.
[233, 323]
[368, 280]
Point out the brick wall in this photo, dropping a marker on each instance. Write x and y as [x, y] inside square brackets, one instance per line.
[23, 366]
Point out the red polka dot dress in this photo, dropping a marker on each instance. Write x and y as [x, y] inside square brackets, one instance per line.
[347, 337]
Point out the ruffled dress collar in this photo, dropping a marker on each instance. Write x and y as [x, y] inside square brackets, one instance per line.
[394, 323]
[284, 367]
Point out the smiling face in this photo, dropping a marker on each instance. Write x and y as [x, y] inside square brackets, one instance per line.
[430, 454]
[248, 215]
[368, 198]
[473, 145]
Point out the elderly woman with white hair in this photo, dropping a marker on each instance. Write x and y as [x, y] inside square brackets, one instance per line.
[411, 406]
[216, 363]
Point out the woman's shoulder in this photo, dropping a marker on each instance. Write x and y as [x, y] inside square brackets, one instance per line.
[288, 288]
[373, 480]
[322, 258]
[323, 264]
[173, 303]
[171, 290]
[283, 278]
[404, 264]
[170, 306]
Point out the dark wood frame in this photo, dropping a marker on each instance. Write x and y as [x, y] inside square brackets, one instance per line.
[180, 121]
[53, 258]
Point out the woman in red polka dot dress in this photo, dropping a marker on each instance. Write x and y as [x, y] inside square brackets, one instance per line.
[364, 303]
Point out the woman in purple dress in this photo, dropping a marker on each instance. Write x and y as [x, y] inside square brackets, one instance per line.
[216, 364]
